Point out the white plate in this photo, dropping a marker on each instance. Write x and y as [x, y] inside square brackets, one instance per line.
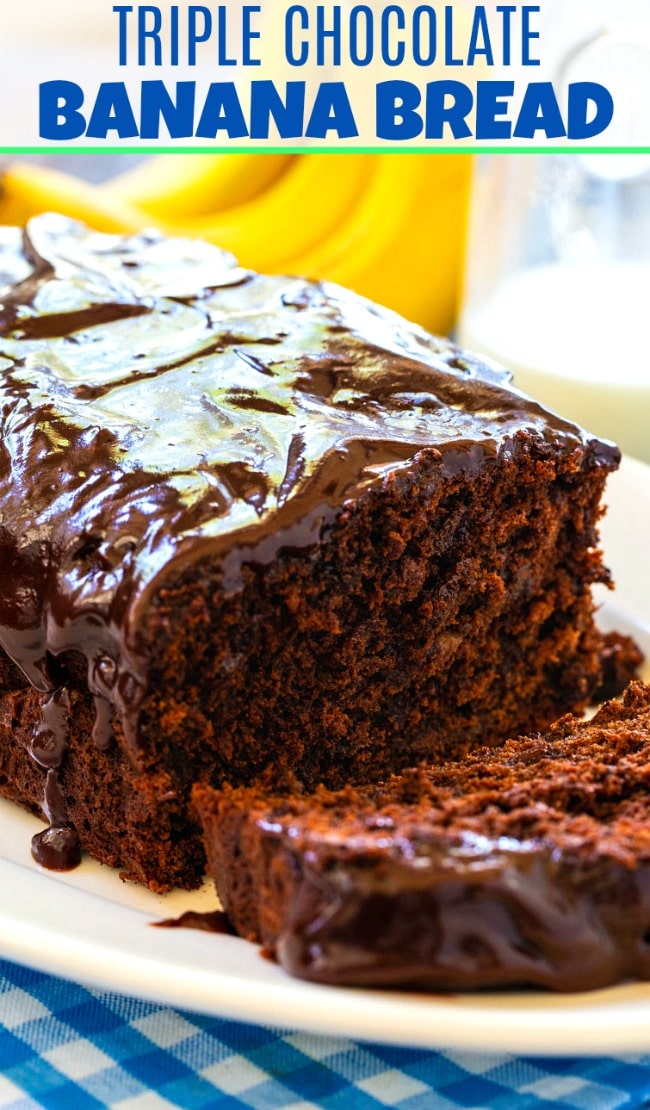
[89, 926]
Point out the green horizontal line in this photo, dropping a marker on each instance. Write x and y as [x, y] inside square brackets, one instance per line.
[474, 149]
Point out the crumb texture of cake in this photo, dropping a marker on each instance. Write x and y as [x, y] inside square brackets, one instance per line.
[258, 524]
[528, 865]
[621, 659]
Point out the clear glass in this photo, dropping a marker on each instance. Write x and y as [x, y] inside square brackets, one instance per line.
[558, 286]
[558, 275]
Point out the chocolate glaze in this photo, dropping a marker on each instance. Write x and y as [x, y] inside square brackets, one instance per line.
[469, 915]
[211, 921]
[57, 847]
[161, 405]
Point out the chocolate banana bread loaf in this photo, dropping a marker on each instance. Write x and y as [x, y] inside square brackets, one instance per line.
[259, 524]
[525, 865]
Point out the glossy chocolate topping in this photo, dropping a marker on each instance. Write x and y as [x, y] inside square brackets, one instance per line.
[468, 912]
[524, 865]
[206, 921]
[160, 404]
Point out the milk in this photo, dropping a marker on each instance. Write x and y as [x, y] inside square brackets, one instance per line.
[577, 337]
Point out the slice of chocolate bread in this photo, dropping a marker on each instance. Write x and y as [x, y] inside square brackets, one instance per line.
[528, 865]
[253, 522]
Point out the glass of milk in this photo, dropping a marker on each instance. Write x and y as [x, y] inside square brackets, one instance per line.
[558, 274]
[558, 287]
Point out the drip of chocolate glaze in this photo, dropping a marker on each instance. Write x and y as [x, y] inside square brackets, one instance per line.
[56, 847]
[102, 729]
[50, 739]
[160, 406]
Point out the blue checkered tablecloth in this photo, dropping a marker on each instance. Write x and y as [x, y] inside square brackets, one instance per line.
[63, 1046]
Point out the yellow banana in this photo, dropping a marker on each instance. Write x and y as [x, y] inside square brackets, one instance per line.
[173, 186]
[26, 189]
[303, 207]
[375, 216]
[402, 244]
[390, 226]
